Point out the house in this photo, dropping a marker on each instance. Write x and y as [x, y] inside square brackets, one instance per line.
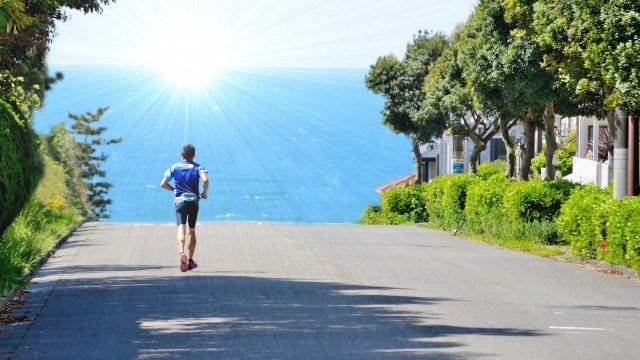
[437, 159]
[591, 163]
[591, 160]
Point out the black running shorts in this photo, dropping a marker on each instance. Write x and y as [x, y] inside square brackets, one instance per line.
[187, 211]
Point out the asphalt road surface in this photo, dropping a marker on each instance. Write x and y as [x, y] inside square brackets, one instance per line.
[311, 291]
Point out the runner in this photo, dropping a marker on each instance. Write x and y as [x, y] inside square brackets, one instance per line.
[186, 175]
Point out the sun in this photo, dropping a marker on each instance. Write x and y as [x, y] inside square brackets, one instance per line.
[187, 55]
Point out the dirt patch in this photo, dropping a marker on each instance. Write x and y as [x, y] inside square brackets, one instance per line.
[6, 316]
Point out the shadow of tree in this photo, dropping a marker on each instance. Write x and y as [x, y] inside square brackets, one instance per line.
[227, 317]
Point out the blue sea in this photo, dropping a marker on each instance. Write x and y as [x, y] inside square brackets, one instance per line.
[291, 145]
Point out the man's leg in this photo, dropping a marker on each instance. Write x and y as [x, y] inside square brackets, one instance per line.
[184, 264]
[181, 231]
[191, 242]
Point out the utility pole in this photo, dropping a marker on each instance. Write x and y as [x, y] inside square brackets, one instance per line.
[620, 155]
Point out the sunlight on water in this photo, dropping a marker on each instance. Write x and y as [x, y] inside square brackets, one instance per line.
[280, 145]
[293, 144]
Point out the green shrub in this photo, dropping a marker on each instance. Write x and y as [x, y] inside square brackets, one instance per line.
[46, 217]
[406, 201]
[20, 164]
[446, 197]
[565, 162]
[582, 220]
[536, 200]
[491, 169]
[484, 203]
[373, 215]
[433, 193]
[623, 233]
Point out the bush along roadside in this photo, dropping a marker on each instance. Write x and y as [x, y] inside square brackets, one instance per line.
[47, 216]
[66, 194]
[543, 217]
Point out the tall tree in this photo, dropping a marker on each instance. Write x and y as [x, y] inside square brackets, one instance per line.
[447, 92]
[502, 64]
[594, 52]
[400, 82]
[26, 31]
[89, 161]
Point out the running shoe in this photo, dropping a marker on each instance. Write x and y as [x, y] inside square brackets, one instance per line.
[184, 265]
[192, 264]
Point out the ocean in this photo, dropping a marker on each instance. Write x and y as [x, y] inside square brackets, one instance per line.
[287, 145]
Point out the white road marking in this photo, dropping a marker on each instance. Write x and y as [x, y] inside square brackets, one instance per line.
[578, 328]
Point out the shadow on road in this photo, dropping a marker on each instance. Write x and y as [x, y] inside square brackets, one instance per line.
[225, 316]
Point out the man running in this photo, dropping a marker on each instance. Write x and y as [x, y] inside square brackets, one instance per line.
[186, 175]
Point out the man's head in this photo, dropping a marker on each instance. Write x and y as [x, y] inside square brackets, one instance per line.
[188, 152]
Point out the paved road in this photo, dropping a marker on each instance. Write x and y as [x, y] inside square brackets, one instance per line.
[305, 291]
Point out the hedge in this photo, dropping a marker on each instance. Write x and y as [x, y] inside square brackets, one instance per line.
[484, 202]
[536, 200]
[622, 245]
[446, 197]
[20, 164]
[406, 201]
[582, 220]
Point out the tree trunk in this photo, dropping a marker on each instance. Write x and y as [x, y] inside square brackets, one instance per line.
[418, 159]
[474, 156]
[527, 146]
[505, 126]
[550, 135]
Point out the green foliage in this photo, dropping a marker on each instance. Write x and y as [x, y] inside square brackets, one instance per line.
[80, 161]
[20, 164]
[27, 29]
[433, 194]
[565, 162]
[446, 198]
[623, 233]
[400, 82]
[46, 217]
[406, 201]
[373, 215]
[488, 170]
[535, 200]
[484, 200]
[400, 205]
[582, 220]
[632, 232]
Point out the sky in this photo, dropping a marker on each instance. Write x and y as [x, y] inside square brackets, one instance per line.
[181, 35]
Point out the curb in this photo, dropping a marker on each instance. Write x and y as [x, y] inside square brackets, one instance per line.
[8, 296]
[600, 265]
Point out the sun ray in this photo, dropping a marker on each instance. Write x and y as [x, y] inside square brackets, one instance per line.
[269, 91]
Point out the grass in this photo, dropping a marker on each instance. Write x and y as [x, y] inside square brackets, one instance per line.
[41, 223]
[531, 238]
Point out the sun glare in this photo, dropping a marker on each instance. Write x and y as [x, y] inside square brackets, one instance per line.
[187, 55]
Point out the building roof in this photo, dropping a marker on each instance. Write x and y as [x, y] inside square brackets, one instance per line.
[429, 151]
[405, 180]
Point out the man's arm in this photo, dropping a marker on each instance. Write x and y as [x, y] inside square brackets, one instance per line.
[165, 184]
[205, 184]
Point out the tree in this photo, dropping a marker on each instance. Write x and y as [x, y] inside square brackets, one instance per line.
[400, 82]
[89, 162]
[82, 155]
[501, 60]
[447, 93]
[26, 31]
[595, 50]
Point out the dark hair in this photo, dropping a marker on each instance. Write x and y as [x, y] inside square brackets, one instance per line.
[188, 152]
